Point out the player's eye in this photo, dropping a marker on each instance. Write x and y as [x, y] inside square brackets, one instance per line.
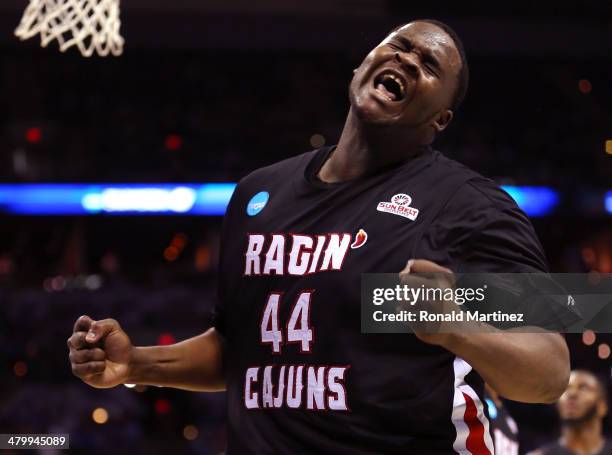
[400, 46]
[431, 69]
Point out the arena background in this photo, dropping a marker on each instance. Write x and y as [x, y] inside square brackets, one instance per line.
[208, 91]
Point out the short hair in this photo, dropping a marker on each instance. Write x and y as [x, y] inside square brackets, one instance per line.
[601, 384]
[464, 73]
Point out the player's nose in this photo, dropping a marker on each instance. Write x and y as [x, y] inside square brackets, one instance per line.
[571, 393]
[408, 62]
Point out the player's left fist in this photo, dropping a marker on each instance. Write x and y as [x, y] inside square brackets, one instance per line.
[424, 274]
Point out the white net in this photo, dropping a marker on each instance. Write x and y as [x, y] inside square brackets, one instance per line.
[91, 25]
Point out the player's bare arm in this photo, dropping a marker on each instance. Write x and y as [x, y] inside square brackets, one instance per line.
[102, 355]
[535, 366]
[194, 364]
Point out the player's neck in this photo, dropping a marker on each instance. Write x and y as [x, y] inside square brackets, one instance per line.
[362, 149]
[584, 439]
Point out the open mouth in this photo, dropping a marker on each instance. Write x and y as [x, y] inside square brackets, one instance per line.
[391, 85]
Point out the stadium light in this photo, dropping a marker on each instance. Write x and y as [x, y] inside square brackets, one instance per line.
[208, 199]
[205, 199]
[608, 202]
[534, 200]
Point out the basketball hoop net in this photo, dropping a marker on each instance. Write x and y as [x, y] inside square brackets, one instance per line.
[91, 25]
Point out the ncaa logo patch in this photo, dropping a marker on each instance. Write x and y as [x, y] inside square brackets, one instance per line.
[399, 205]
[257, 203]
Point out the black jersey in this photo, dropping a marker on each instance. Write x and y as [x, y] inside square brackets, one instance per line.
[301, 377]
[503, 429]
[556, 448]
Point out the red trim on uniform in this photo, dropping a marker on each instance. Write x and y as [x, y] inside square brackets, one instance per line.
[475, 442]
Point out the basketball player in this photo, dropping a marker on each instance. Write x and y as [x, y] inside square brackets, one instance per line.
[582, 408]
[287, 346]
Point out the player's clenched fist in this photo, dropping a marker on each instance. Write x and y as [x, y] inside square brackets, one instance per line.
[100, 352]
[421, 273]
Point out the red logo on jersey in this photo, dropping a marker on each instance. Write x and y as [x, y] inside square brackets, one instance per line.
[360, 239]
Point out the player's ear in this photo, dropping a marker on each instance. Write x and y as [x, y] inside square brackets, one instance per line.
[442, 120]
[602, 409]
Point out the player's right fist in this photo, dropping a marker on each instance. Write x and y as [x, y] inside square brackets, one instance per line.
[99, 352]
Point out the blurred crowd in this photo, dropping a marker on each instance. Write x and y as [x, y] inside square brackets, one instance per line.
[39, 393]
[179, 116]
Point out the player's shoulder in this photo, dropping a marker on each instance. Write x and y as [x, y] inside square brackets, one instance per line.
[279, 172]
[476, 191]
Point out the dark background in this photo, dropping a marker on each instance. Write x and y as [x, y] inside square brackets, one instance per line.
[208, 91]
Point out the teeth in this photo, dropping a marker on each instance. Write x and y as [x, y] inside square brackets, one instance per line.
[396, 79]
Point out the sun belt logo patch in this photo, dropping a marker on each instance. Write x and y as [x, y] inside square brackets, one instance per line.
[399, 205]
